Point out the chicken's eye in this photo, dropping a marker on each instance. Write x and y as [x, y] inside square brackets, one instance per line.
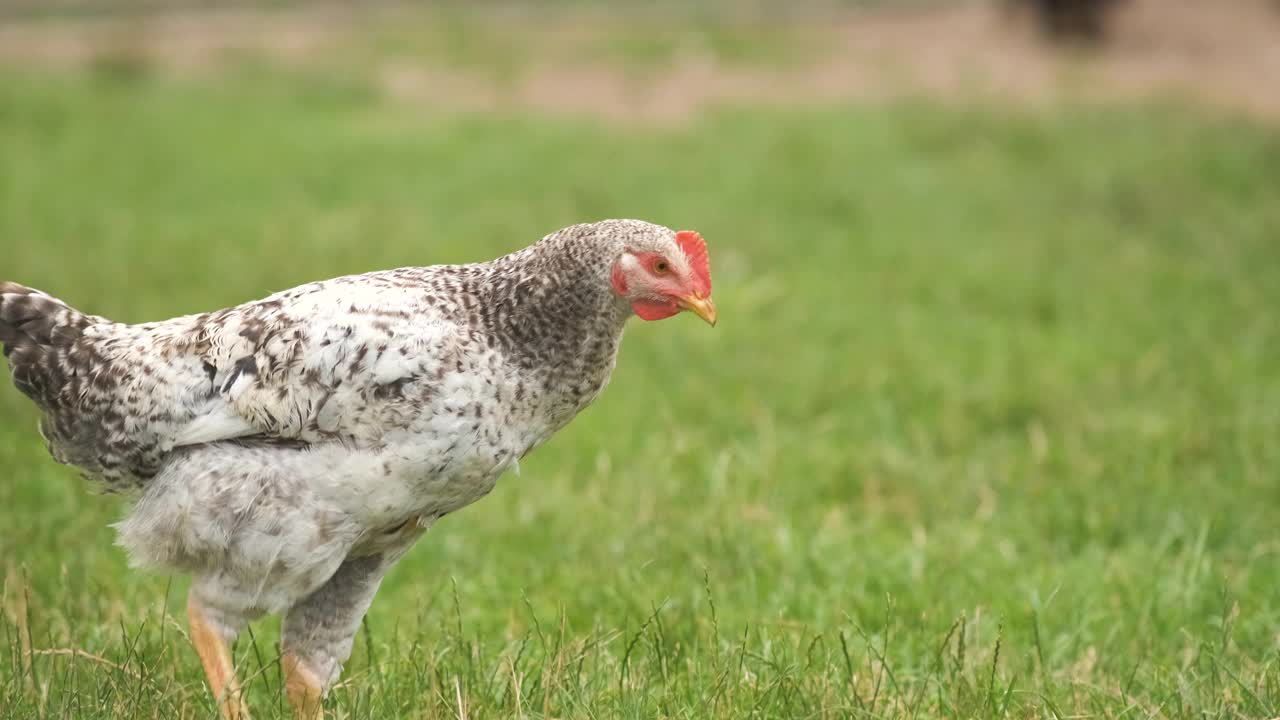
[661, 267]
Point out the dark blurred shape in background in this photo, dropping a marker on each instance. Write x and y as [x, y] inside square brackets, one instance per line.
[1072, 20]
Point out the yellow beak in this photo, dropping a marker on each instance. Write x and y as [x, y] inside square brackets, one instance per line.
[702, 307]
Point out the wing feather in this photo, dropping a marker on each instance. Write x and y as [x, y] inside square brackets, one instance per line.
[346, 360]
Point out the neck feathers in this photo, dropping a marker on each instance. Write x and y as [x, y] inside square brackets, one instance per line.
[551, 307]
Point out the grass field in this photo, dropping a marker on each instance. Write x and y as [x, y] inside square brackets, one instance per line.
[989, 427]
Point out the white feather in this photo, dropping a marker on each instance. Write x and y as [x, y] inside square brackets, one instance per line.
[221, 423]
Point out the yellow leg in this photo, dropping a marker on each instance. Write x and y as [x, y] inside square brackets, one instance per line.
[216, 658]
[304, 689]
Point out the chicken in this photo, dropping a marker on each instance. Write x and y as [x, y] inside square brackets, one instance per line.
[287, 452]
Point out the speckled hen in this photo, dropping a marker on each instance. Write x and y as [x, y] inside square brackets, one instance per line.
[287, 452]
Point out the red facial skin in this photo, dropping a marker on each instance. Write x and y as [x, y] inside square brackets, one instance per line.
[663, 281]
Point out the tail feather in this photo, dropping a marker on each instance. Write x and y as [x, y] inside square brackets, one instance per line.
[34, 329]
[97, 415]
[30, 316]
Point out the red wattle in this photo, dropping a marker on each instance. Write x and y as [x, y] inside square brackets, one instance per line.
[654, 309]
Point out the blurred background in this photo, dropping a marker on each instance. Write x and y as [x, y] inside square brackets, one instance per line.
[667, 60]
[990, 425]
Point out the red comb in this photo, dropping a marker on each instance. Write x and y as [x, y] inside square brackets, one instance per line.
[695, 248]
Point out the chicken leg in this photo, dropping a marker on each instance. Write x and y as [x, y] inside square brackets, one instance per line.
[304, 688]
[318, 632]
[215, 655]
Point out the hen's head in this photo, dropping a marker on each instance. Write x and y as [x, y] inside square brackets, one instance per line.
[660, 272]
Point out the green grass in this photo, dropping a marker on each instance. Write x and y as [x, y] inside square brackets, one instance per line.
[988, 428]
